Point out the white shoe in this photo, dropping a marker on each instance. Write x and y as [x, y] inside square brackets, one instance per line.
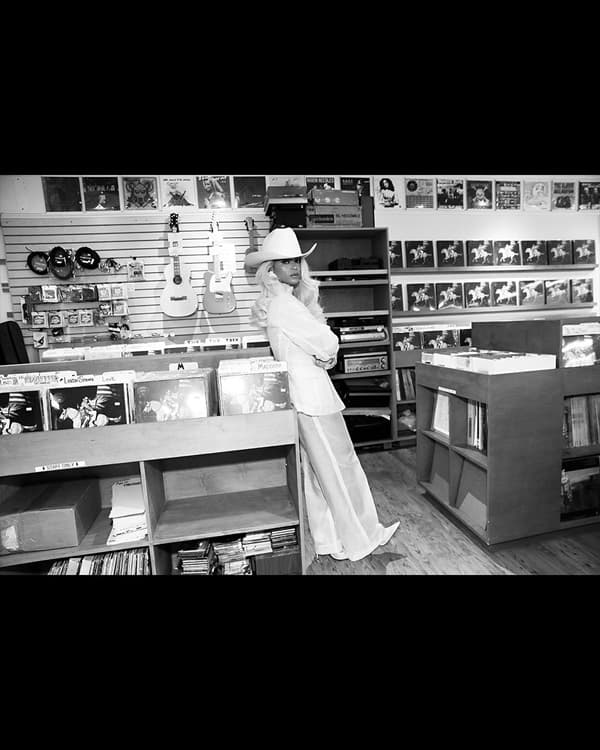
[388, 533]
[338, 556]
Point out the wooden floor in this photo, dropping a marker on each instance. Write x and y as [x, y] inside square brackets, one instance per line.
[429, 543]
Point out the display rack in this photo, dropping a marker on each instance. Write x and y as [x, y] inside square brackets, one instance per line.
[351, 295]
[201, 478]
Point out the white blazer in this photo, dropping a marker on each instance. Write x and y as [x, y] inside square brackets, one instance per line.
[295, 336]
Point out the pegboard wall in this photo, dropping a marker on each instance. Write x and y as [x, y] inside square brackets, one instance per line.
[142, 236]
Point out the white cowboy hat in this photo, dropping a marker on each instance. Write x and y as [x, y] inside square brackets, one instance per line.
[280, 244]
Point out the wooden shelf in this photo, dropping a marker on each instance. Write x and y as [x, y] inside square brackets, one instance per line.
[223, 514]
[369, 374]
[358, 314]
[488, 269]
[363, 344]
[584, 450]
[571, 524]
[493, 309]
[353, 283]
[439, 437]
[350, 272]
[471, 454]
[93, 543]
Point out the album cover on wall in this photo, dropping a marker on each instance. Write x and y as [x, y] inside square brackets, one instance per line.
[418, 193]
[536, 195]
[449, 295]
[534, 253]
[508, 194]
[214, 191]
[560, 252]
[450, 193]
[450, 253]
[479, 253]
[361, 184]
[582, 290]
[506, 253]
[249, 191]
[397, 297]
[406, 339]
[419, 253]
[584, 251]
[87, 405]
[465, 337]
[286, 180]
[589, 196]
[387, 191]
[140, 193]
[177, 193]
[62, 193]
[321, 183]
[557, 292]
[479, 194]
[395, 251]
[21, 410]
[532, 293]
[477, 293]
[101, 194]
[420, 297]
[564, 196]
[504, 293]
[441, 338]
[159, 397]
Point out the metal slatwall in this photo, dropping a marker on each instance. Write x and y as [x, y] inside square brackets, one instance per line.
[123, 236]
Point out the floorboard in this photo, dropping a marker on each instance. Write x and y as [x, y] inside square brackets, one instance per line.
[429, 543]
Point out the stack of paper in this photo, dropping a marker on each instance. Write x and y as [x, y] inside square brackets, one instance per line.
[127, 513]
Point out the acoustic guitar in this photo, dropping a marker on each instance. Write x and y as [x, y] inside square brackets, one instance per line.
[218, 297]
[178, 299]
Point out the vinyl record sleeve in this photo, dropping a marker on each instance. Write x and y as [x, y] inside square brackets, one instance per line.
[508, 195]
[479, 253]
[161, 397]
[93, 402]
[449, 295]
[21, 410]
[506, 253]
[419, 253]
[477, 293]
[560, 252]
[450, 193]
[534, 253]
[504, 293]
[420, 297]
[450, 253]
[532, 293]
[584, 251]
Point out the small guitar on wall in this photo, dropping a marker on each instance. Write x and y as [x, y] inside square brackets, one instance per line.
[251, 227]
[178, 299]
[218, 297]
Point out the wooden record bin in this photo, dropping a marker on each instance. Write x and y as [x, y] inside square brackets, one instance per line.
[513, 489]
[201, 478]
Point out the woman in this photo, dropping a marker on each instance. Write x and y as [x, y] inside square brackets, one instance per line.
[341, 511]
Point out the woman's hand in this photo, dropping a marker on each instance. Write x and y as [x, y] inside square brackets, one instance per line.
[326, 364]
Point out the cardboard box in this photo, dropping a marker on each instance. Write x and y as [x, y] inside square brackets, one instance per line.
[333, 197]
[286, 191]
[337, 216]
[48, 516]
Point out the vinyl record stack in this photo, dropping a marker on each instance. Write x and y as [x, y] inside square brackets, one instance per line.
[286, 205]
[231, 557]
[257, 543]
[199, 561]
[282, 539]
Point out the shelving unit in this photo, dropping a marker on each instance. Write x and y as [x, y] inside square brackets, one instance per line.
[354, 294]
[513, 489]
[201, 478]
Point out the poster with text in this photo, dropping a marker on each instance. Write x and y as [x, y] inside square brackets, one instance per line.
[450, 193]
[418, 193]
[62, 193]
[564, 196]
[140, 193]
[249, 191]
[214, 191]
[589, 196]
[362, 185]
[101, 194]
[508, 195]
[321, 183]
[387, 191]
[177, 192]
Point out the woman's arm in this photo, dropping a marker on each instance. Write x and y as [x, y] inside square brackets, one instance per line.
[297, 323]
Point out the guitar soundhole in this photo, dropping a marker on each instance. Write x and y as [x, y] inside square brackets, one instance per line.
[177, 279]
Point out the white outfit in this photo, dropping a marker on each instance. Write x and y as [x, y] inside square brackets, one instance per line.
[341, 512]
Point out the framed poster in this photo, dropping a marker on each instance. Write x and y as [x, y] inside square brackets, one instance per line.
[564, 196]
[140, 192]
[418, 193]
[508, 195]
[249, 191]
[387, 191]
[450, 193]
[321, 183]
[214, 191]
[479, 194]
[362, 185]
[536, 195]
[101, 194]
[177, 192]
[62, 193]
[589, 196]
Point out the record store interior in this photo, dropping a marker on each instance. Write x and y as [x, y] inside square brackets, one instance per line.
[308, 375]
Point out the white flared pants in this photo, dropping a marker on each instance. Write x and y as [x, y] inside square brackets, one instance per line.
[341, 511]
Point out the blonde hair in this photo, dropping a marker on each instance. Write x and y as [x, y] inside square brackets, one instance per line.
[307, 292]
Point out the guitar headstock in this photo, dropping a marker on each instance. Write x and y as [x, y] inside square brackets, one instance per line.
[174, 222]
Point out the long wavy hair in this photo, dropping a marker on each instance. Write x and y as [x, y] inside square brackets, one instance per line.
[307, 292]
